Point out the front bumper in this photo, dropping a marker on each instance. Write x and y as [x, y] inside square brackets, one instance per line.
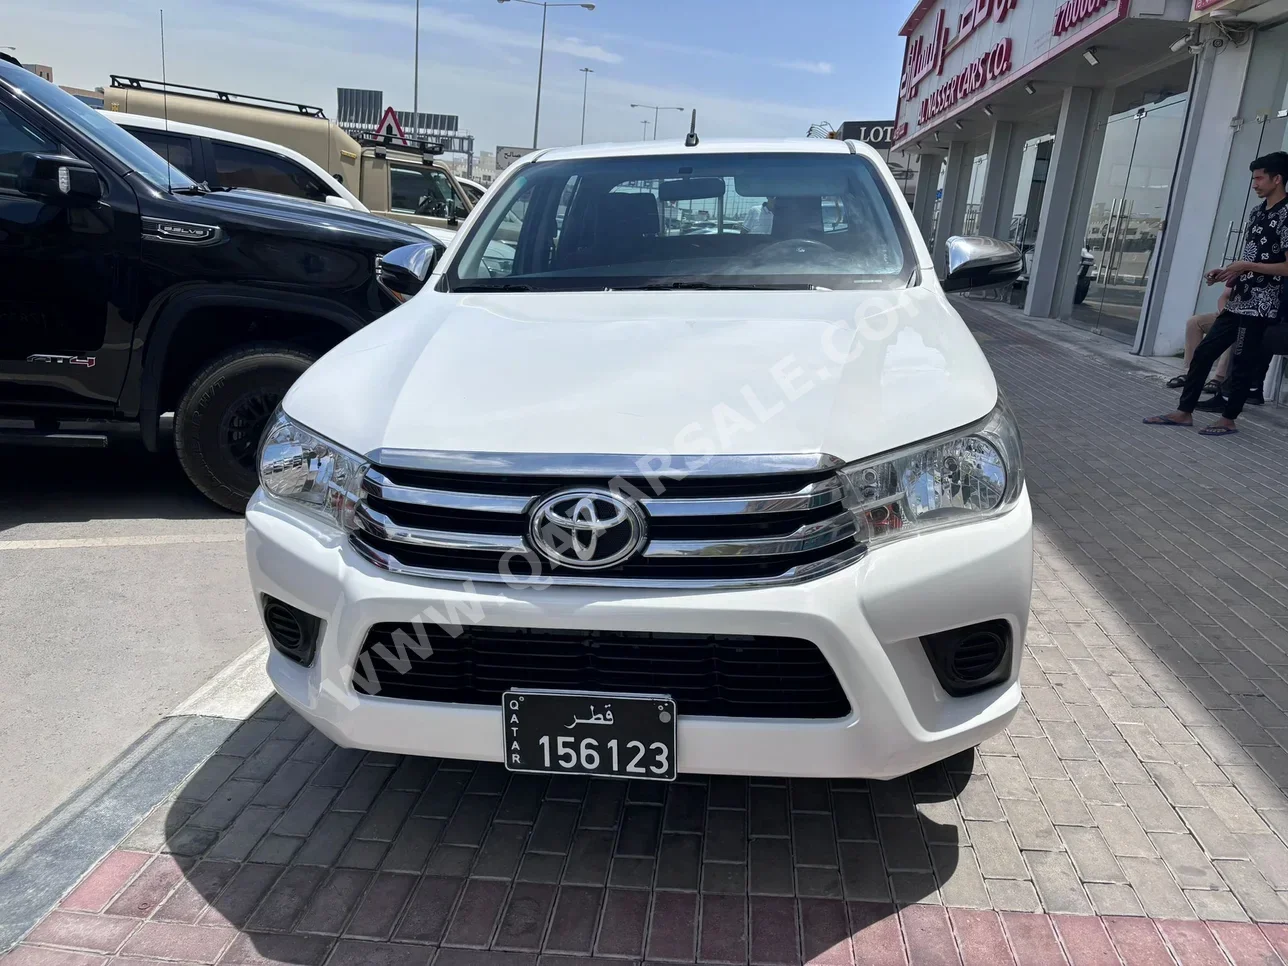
[866, 619]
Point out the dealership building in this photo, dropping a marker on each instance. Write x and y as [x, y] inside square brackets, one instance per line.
[1109, 138]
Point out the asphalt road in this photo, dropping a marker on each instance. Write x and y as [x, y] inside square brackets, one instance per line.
[121, 592]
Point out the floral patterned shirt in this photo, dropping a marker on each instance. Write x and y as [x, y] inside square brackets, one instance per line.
[1266, 237]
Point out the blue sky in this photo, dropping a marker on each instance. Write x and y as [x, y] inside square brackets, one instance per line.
[751, 67]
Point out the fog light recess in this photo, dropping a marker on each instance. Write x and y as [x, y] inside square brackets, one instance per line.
[970, 659]
[292, 632]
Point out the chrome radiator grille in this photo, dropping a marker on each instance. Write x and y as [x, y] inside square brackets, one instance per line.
[693, 531]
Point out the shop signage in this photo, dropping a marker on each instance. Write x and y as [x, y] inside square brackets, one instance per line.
[983, 70]
[926, 54]
[1072, 12]
[507, 156]
[960, 52]
[878, 135]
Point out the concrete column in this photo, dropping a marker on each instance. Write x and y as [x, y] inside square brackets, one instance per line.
[1176, 285]
[952, 209]
[1005, 152]
[1066, 204]
[923, 200]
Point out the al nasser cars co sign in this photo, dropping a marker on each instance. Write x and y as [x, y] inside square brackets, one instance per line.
[926, 56]
[958, 50]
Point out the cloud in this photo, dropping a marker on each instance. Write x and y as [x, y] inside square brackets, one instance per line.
[808, 66]
[436, 23]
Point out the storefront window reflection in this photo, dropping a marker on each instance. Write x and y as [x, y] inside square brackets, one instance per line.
[1027, 210]
[975, 194]
[1128, 208]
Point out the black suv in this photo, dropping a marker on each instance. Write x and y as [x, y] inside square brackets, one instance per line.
[127, 291]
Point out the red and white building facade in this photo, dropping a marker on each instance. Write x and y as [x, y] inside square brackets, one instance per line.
[1110, 138]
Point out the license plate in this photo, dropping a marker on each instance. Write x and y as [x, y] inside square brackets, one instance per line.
[583, 733]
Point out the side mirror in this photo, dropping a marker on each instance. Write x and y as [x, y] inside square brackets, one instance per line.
[336, 201]
[403, 272]
[975, 261]
[451, 213]
[59, 179]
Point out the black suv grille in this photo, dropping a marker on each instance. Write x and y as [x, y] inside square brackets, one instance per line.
[715, 675]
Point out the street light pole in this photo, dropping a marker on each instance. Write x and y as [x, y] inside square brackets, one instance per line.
[415, 96]
[541, 63]
[645, 137]
[656, 110]
[585, 89]
[541, 60]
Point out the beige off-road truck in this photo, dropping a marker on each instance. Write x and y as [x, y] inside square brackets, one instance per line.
[393, 179]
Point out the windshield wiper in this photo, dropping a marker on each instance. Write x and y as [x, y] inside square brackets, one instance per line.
[199, 188]
[722, 286]
[504, 287]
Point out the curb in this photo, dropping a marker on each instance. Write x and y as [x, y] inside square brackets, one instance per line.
[50, 859]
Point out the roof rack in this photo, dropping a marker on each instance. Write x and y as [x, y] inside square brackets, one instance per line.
[246, 100]
[376, 139]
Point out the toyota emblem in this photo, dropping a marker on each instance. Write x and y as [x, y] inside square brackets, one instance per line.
[587, 529]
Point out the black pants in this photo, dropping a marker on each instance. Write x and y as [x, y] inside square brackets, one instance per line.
[1245, 333]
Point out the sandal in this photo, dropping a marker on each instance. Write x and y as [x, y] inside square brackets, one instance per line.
[1176, 382]
[1212, 385]
[1162, 421]
[1217, 431]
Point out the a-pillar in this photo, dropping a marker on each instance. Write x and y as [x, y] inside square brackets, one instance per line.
[923, 199]
[1001, 180]
[1066, 203]
[952, 208]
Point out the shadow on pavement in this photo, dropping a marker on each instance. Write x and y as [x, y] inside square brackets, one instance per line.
[301, 846]
[1156, 676]
[121, 482]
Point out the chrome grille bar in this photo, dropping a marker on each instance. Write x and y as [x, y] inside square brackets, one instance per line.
[807, 498]
[807, 538]
[378, 524]
[377, 484]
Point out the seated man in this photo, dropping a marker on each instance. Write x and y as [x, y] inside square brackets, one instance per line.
[1254, 305]
[1195, 329]
[760, 220]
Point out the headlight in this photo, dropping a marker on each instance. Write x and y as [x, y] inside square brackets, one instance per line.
[315, 474]
[952, 479]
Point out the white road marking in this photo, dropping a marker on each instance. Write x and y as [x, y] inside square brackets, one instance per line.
[78, 543]
[236, 692]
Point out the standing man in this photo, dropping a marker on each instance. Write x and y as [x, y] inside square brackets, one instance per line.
[1256, 282]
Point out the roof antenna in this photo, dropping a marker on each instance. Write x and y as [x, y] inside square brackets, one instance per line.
[165, 108]
[691, 139]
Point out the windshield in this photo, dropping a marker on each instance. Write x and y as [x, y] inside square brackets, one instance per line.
[688, 221]
[128, 149]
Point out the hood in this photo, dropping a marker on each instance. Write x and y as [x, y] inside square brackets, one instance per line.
[272, 211]
[444, 235]
[659, 372]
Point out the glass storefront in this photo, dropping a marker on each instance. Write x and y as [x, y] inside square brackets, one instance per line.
[975, 194]
[1026, 213]
[1128, 209]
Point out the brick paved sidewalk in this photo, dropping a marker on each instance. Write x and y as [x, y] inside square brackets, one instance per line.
[1135, 812]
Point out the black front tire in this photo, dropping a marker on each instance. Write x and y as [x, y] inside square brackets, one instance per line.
[221, 418]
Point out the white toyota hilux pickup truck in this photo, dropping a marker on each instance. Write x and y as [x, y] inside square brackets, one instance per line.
[679, 459]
